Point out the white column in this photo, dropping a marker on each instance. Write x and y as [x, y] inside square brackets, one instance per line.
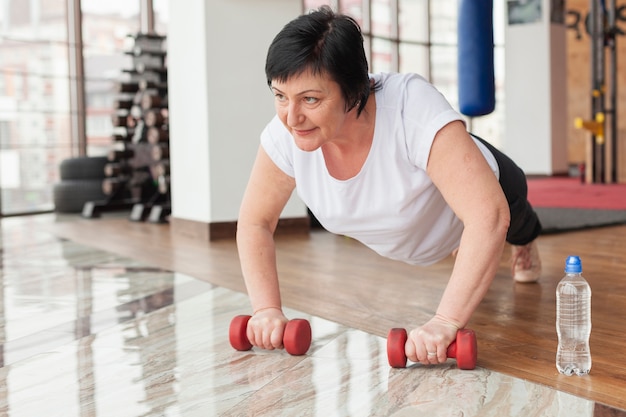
[219, 101]
[536, 92]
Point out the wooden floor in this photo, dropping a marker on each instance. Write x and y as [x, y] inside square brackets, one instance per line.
[339, 279]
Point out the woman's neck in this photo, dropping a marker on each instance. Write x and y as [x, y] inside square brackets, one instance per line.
[345, 156]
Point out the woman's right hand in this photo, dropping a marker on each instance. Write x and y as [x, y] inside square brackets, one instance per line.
[266, 328]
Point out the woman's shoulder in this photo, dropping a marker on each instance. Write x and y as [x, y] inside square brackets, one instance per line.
[402, 89]
[394, 80]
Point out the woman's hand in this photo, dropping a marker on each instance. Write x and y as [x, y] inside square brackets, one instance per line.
[266, 328]
[429, 344]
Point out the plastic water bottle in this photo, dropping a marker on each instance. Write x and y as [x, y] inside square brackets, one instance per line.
[573, 320]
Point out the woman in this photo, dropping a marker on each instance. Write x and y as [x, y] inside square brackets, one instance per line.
[384, 159]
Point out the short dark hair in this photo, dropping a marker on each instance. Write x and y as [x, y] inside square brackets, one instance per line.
[323, 42]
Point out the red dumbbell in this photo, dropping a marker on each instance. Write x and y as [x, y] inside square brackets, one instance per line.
[296, 339]
[463, 349]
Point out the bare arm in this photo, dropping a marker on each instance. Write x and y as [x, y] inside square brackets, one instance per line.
[458, 169]
[267, 192]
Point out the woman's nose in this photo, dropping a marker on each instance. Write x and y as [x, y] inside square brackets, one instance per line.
[294, 115]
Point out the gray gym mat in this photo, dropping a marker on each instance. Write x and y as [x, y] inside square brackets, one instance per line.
[556, 220]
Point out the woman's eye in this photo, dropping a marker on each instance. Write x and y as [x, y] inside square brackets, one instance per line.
[310, 100]
[279, 97]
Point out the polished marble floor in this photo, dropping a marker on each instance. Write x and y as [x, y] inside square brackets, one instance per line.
[85, 332]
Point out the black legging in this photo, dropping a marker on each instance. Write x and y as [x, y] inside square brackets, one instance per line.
[525, 225]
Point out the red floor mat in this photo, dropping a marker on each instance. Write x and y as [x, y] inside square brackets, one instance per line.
[565, 192]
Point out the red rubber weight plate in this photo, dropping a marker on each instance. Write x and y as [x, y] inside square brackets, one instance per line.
[237, 333]
[466, 349]
[396, 340]
[297, 337]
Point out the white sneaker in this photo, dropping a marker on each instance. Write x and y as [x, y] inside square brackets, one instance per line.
[525, 262]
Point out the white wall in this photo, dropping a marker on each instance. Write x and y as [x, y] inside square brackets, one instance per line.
[535, 91]
[219, 101]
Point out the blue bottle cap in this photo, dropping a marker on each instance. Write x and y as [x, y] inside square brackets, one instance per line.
[573, 265]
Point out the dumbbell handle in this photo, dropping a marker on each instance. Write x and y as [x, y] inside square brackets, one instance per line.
[296, 338]
[463, 349]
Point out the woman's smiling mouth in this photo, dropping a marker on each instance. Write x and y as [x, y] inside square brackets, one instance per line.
[304, 132]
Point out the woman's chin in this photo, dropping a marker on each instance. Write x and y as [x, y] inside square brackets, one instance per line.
[307, 145]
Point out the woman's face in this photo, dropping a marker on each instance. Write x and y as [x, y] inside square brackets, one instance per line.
[311, 107]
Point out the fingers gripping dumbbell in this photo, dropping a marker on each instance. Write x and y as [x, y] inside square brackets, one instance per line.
[463, 349]
[296, 338]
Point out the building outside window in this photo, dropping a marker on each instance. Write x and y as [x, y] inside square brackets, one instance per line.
[34, 102]
[35, 84]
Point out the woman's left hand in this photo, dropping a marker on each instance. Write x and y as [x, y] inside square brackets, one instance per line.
[429, 343]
